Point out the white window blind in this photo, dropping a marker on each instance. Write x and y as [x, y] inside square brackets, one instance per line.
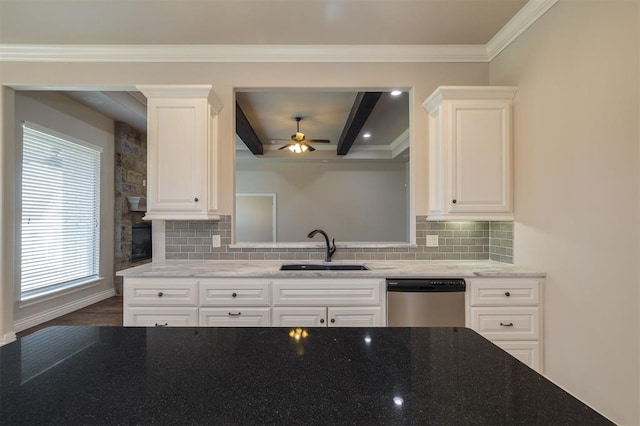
[60, 212]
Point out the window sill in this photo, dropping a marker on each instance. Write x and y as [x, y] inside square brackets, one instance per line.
[313, 245]
[59, 292]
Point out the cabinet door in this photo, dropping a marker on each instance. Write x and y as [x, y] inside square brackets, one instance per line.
[299, 317]
[177, 135]
[526, 352]
[480, 152]
[235, 317]
[160, 317]
[356, 316]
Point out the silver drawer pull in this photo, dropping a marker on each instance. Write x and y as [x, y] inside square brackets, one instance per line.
[506, 324]
[160, 294]
[231, 314]
[507, 294]
[234, 294]
[162, 325]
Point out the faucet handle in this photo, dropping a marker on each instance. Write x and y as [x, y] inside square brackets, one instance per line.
[333, 245]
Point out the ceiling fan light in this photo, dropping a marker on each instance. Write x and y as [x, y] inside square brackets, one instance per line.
[292, 148]
[304, 147]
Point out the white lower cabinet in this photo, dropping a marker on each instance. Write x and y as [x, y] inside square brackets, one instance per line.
[311, 316]
[508, 312]
[328, 302]
[254, 302]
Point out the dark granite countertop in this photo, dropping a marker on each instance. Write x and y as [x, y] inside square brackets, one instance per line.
[188, 376]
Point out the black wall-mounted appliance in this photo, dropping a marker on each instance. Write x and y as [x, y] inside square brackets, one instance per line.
[141, 242]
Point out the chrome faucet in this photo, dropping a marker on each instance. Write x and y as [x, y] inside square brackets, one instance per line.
[330, 249]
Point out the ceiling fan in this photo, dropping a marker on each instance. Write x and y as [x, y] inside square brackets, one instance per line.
[299, 143]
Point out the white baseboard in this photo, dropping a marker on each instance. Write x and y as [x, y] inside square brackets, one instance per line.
[58, 311]
[7, 338]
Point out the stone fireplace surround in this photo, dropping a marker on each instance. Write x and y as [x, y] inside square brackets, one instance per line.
[130, 177]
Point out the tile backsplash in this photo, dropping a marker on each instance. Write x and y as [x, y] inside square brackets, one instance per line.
[457, 241]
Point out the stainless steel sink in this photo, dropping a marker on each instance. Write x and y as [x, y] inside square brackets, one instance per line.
[323, 267]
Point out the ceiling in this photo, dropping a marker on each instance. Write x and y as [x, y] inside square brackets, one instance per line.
[265, 22]
[412, 22]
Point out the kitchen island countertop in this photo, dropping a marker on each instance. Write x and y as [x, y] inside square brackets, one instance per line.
[367, 376]
[378, 268]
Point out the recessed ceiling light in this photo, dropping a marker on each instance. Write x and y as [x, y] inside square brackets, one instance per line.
[366, 135]
[396, 92]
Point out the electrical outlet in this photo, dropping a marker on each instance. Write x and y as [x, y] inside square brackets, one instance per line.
[432, 241]
[215, 241]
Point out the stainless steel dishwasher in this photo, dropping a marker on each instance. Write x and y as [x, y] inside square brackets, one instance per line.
[425, 302]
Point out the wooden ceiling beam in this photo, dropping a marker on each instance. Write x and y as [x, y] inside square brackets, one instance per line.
[246, 132]
[360, 111]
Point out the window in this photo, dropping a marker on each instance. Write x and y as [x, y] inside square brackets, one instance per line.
[60, 228]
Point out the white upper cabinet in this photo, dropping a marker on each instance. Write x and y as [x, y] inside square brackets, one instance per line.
[470, 153]
[181, 152]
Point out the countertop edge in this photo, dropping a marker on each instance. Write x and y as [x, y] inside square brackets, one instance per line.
[378, 269]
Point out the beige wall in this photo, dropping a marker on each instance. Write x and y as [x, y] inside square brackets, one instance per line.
[576, 192]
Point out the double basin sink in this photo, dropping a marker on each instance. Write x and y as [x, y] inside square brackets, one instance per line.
[323, 267]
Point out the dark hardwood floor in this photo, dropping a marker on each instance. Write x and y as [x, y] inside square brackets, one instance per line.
[107, 312]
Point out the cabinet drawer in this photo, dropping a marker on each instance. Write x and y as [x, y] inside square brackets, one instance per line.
[235, 317]
[160, 317]
[160, 292]
[507, 292]
[504, 323]
[526, 352]
[235, 293]
[352, 292]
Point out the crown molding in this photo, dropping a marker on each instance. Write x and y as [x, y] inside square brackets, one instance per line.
[522, 20]
[242, 53]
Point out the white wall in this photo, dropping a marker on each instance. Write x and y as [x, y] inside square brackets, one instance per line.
[64, 115]
[576, 163]
[351, 201]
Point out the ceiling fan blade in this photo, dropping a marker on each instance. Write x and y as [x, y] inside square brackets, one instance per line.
[318, 140]
[283, 147]
[310, 148]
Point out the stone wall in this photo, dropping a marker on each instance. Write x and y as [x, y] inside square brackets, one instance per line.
[130, 180]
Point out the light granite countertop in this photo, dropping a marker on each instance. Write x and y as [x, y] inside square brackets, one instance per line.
[381, 269]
